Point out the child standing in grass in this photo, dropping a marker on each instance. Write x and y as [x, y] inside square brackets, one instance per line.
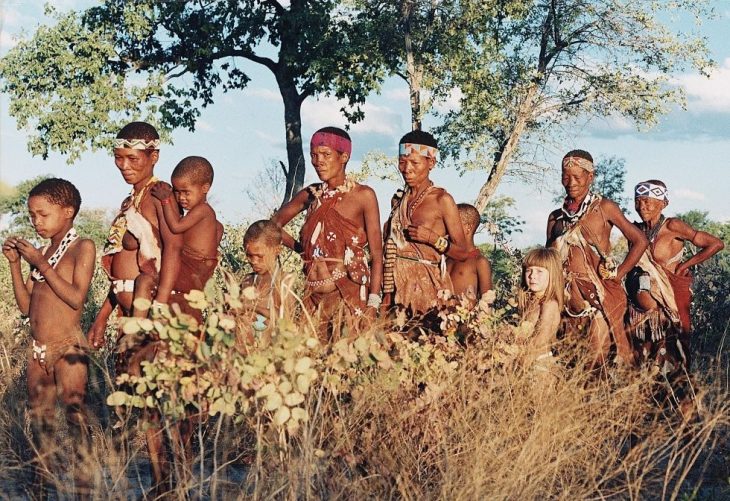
[541, 300]
[53, 298]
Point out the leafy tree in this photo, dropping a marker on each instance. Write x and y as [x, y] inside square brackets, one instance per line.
[498, 221]
[542, 63]
[76, 82]
[420, 40]
[90, 223]
[609, 181]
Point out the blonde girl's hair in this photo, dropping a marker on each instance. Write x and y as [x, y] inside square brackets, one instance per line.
[550, 260]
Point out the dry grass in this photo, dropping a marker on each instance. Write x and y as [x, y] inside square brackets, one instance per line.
[481, 430]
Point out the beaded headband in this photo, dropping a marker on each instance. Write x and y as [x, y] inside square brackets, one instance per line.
[583, 163]
[137, 144]
[651, 190]
[405, 149]
[337, 143]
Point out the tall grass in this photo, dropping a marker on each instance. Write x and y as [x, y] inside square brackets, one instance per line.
[388, 416]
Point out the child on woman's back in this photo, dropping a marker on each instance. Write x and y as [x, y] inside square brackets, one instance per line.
[199, 227]
[541, 300]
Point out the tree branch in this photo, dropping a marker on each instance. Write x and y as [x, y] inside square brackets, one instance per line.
[280, 10]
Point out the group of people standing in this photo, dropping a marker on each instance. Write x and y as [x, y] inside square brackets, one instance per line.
[164, 242]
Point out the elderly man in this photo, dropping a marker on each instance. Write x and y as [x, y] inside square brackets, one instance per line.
[580, 230]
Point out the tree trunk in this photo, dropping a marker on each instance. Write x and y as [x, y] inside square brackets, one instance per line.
[414, 71]
[294, 153]
[505, 154]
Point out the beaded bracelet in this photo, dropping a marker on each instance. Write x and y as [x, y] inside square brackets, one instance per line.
[441, 244]
[374, 300]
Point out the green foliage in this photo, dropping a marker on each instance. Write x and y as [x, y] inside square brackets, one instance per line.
[498, 221]
[68, 84]
[534, 65]
[75, 83]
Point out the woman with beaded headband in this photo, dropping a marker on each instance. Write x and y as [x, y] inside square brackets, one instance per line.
[580, 230]
[423, 228]
[342, 222]
[141, 258]
[659, 287]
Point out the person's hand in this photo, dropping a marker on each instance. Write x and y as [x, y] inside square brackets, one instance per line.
[96, 334]
[161, 190]
[682, 270]
[10, 251]
[27, 251]
[421, 234]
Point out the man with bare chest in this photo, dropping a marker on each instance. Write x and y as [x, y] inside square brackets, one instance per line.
[659, 287]
[342, 223]
[581, 232]
[423, 228]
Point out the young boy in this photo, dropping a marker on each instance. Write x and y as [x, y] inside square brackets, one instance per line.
[262, 243]
[201, 232]
[471, 278]
[53, 298]
[342, 219]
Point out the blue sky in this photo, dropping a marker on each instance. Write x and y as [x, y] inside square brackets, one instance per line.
[243, 132]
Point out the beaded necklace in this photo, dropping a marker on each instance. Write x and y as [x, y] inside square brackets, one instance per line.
[651, 233]
[67, 240]
[412, 205]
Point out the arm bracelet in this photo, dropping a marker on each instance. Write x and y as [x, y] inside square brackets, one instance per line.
[441, 244]
[374, 300]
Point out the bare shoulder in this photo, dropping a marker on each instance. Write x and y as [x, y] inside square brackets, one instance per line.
[677, 225]
[483, 262]
[554, 215]
[550, 309]
[204, 209]
[442, 195]
[610, 206]
[85, 246]
[365, 191]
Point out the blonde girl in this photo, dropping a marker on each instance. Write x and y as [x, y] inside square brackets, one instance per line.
[541, 300]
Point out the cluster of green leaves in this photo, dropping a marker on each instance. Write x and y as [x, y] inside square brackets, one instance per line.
[205, 366]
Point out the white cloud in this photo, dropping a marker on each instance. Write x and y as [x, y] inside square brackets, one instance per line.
[685, 194]
[708, 94]
[452, 102]
[203, 126]
[265, 94]
[274, 141]
[7, 41]
[400, 94]
[326, 111]
[10, 16]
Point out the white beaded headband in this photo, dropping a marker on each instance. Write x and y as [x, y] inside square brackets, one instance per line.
[651, 190]
[137, 144]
